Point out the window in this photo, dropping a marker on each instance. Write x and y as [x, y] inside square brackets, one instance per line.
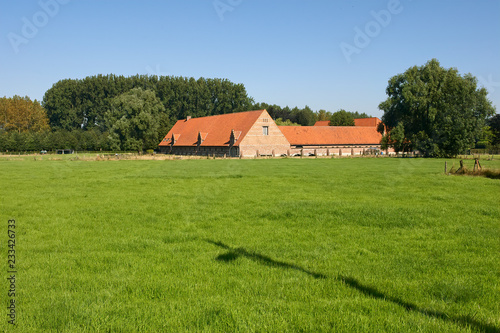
[265, 130]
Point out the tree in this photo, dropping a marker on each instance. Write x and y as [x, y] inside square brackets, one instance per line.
[288, 122]
[82, 104]
[494, 124]
[345, 118]
[305, 116]
[395, 139]
[341, 118]
[21, 114]
[134, 120]
[440, 112]
[324, 115]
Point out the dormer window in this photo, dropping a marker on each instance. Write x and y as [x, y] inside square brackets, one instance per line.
[235, 135]
[201, 137]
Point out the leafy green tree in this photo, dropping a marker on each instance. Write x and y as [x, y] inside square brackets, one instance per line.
[134, 120]
[345, 118]
[396, 139]
[288, 122]
[341, 118]
[305, 116]
[440, 112]
[485, 138]
[324, 115]
[83, 104]
[494, 124]
[357, 115]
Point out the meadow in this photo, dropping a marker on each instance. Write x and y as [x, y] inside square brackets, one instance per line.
[268, 245]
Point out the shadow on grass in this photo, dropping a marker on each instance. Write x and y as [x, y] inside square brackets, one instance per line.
[234, 253]
[466, 321]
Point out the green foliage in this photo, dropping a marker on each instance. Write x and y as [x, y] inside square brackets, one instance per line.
[442, 113]
[341, 118]
[345, 118]
[485, 138]
[303, 117]
[324, 115]
[74, 104]
[80, 140]
[396, 138]
[188, 246]
[134, 120]
[113, 105]
[494, 125]
[288, 122]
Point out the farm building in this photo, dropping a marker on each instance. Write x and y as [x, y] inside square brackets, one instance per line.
[235, 134]
[254, 133]
[367, 122]
[332, 140]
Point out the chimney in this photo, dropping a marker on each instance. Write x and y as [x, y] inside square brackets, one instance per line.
[188, 117]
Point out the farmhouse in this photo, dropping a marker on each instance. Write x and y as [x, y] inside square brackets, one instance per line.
[254, 133]
[235, 134]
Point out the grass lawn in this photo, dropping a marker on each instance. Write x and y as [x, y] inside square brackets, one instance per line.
[273, 245]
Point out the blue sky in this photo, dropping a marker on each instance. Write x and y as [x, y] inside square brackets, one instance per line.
[324, 54]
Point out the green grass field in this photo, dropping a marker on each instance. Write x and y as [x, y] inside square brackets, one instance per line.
[273, 245]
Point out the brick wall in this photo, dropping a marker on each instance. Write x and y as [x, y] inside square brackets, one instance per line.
[205, 151]
[255, 142]
[344, 150]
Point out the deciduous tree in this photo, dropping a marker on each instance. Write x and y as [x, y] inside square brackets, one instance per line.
[134, 120]
[341, 118]
[21, 114]
[440, 112]
[494, 124]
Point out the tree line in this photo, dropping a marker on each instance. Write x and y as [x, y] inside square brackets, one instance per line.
[429, 109]
[109, 112]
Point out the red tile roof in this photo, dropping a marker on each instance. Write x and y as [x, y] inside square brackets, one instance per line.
[322, 123]
[213, 130]
[331, 135]
[367, 122]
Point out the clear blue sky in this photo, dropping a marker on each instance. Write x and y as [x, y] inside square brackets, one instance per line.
[285, 52]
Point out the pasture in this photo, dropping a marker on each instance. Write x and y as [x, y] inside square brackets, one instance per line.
[270, 245]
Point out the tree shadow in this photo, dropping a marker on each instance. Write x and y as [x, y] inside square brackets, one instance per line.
[465, 321]
[234, 253]
[227, 257]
